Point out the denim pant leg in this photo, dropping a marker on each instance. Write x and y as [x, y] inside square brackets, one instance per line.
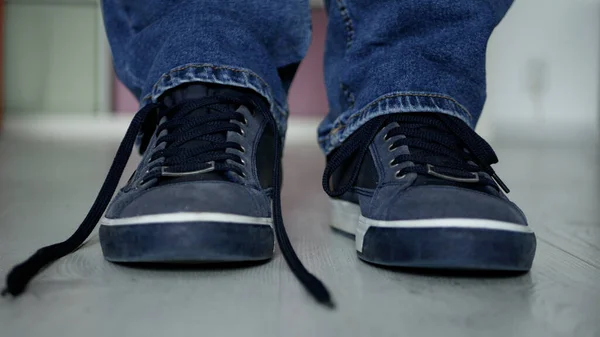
[256, 44]
[400, 56]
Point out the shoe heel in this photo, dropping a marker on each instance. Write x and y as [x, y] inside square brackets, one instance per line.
[344, 216]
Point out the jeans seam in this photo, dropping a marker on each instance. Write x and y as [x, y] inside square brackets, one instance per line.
[215, 67]
[340, 125]
[349, 26]
[264, 91]
[349, 34]
[136, 81]
[348, 94]
[198, 66]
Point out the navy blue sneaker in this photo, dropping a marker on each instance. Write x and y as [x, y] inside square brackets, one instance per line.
[418, 191]
[202, 191]
[206, 190]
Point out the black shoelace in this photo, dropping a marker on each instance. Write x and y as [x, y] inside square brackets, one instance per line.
[182, 128]
[441, 146]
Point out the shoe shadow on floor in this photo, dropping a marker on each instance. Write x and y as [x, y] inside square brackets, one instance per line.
[94, 243]
[185, 266]
[454, 273]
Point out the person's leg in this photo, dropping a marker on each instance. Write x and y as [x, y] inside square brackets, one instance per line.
[405, 56]
[409, 176]
[212, 77]
[211, 64]
[160, 44]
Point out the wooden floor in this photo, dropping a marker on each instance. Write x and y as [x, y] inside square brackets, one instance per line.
[46, 188]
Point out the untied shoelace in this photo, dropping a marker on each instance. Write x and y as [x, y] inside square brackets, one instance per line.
[21, 274]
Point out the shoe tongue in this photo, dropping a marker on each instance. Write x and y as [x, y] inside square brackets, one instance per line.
[425, 127]
[433, 180]
[194, 91]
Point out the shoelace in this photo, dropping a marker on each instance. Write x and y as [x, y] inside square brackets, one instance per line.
[437, 144]
[209, 150]
[191, 159]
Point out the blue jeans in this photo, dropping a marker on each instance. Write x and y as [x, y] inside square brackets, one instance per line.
[382, 57]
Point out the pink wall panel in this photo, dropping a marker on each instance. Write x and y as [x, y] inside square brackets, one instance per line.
[307, 95]
[123, 100]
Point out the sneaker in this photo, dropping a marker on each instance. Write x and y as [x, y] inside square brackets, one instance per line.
[207, 189]
[418, 190]
[202, 191]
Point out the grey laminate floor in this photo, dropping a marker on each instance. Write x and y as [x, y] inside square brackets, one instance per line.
[46, 188]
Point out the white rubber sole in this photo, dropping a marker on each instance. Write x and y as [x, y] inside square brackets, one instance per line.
[346, 217]
[197, 217]
[187, 237]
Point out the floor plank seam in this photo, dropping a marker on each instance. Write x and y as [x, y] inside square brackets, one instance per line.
[591, 264]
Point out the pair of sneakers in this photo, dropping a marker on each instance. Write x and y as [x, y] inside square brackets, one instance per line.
[415, 190]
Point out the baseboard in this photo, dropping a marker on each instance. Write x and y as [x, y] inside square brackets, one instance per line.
[107, 127]
[112, 127]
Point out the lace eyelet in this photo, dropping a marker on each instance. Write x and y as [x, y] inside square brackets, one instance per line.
[399, 177]
[242, 132]
[245, 121]
[386, 137]
[242, 161]
[242, 149]
[392, 163]
[243, 175]
[391, 148]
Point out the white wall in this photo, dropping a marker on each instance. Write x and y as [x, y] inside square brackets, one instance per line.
[544, 70]
[53, 54]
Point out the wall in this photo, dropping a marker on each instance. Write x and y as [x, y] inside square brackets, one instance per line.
[543, 70]
[53, 54]
[543, 66]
